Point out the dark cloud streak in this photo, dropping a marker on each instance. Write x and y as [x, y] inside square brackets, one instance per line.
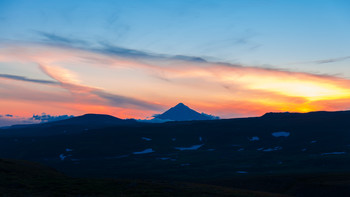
[323, 61]
[326, 61]
[132, 53]
[53, 38]
[109, 49]
[22, 78]
[126, 101]
[115, 100]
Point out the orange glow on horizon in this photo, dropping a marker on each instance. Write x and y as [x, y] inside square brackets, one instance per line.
[133, 88]
[312, 91]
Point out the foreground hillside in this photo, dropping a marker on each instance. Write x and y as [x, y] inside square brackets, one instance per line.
[22, 178]
[271, 153]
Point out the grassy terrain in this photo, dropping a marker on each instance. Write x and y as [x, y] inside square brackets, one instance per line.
[301, 185]
[23, 178]
[311, 161]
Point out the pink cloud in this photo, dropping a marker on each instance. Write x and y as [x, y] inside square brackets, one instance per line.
[138, 85]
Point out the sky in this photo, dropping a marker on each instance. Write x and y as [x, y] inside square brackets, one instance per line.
[133, 59]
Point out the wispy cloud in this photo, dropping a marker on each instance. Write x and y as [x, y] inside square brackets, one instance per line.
[57, 39]
[49, 118]
[127, 101]
[108, 77]
[22, 78]
[109, 49]
[323, 61]
[8, 120]
[113, 99]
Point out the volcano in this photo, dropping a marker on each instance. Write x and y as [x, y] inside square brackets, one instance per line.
[181, 112]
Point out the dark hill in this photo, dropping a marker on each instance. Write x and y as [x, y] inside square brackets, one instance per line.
[183, 113]
[68, 126]
[317, 115]
[93, 120]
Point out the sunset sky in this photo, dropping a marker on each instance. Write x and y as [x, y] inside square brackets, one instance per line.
[133, 59]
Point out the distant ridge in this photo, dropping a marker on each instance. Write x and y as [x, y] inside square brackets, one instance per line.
[181, 112]
[314, 114]
[93, 119]
[71, 125]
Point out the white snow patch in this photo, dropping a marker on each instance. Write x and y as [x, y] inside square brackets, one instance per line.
[260, 149]
[200, 138]
[281, 134]
[164, 158]
[154, 120]
[146, 138]
[148, 150]
[194, 147]
[313, 141]
[62, 156]
[69, 150]
[173, 139]
[241, 172]
[254, 138]
[334, 153]
[272, 149]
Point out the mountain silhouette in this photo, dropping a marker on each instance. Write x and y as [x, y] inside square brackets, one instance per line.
[76, 124]
[183, 113]
[93, 119]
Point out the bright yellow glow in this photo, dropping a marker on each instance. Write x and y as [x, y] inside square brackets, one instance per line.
[309, 90]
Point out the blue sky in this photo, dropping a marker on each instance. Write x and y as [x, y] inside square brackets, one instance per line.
[136, 58]
[283, 34]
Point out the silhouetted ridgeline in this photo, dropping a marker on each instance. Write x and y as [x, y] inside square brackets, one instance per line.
[317, 114]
